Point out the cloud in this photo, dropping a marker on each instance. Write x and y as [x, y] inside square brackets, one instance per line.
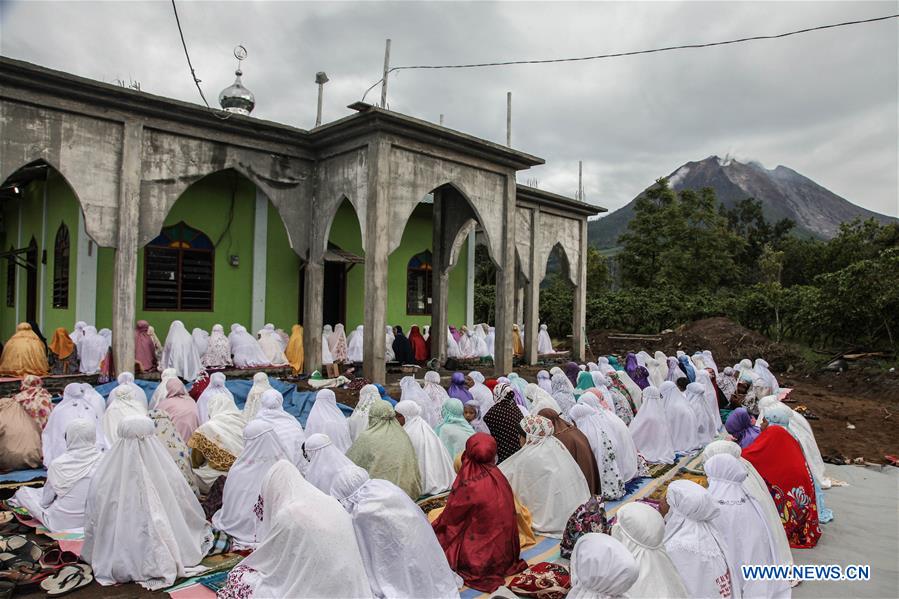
[824, 104]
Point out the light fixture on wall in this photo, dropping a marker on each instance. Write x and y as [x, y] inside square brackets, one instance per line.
[234, 260]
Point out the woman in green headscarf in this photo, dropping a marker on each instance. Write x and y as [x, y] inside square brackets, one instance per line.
[584, 383]
[613, 362]
[385, 451]
[454, 430]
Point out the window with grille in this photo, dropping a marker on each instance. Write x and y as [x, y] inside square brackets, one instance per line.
[11, 279]
[179, 268]
[418, 284]
[61, 268]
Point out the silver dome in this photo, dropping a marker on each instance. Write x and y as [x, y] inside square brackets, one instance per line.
[237, 98]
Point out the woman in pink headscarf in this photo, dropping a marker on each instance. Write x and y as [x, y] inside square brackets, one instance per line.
[144, 347]
[180, 408]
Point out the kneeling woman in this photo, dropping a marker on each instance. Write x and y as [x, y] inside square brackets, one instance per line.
[60, 504]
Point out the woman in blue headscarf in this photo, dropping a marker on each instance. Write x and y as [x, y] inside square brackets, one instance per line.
[454, 431]
[686, 367]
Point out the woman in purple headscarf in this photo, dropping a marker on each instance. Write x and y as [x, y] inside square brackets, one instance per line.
[742, 426]
[455, 333]
[458, 388]
[638, 373]
[571, 371]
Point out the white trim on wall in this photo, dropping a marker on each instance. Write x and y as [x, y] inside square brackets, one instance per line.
[85, 275]
[260, 244]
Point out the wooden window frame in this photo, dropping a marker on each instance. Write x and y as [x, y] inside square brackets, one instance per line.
[179, 273]
[426, 273]
[61, 268]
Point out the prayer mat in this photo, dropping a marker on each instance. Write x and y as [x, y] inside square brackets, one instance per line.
[657, 470]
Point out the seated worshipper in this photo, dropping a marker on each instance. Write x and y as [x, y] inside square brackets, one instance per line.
[354, 346]
[36, 400]
[59, 505]
[711, 401]
[778, 458]
[151, 530]
[674, 370]
[245, 350]
[636, 371]
[563, 392]
[157, 344]
[402, 348]
[358, 420]
[237, 516]
[175, 445]
[755, 486]
[218, 349]
[385, 451]
[578, 446]
[747, 539]
[91, 349]
[326, 418]
[144, 348]
[124, 402]
[584, 383]
[504, 422]
[742, 427]
[616, 400]
[649, 429]
[412, 391]
[24, 354]
[700, 407]
[180, 352]
[641, 529]
[126, 379]
[308, 547]
[454, 430]
[538, 399]
[160, 392]
[180, 408]
[686, 367]
[545, 477]
[436, 394]
[338, 344]
[543, 381]
[94, 398]
[215, 387]
[324, 460]
[482, 394]
[517, 342]
[294, 351]
[602, 567]
[727, 383]
[588, 517]
[390, 530]
[73, 405]
[261, 384]
[271, 346]
[452, 344]
[599, 436]
[764, 373]
[681, 420]
[634, 393]
[658, 370]
[474, 414]
[287, 429]
[20, 437]
[458, 388]
[801, 430]
[544, 343]
[201, 341]
[434, 463]
[63, 359]
[477, 528]
[218, 442]
[77, 333]
[693, 542]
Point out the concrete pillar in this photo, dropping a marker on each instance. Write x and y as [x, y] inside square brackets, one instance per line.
[439, 281]
[376, 255]
[532, 293]
[505, 282]
[469, 280]
[579, 319]
[86, 275]
[124, 286]
[313, 295]
[260, 258]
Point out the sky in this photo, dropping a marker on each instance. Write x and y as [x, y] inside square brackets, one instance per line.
[824, 104]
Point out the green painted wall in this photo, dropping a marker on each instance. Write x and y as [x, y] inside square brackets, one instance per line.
[282, 276]
[62, 207]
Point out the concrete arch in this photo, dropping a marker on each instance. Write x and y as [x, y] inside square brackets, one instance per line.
[563, 232]
[460, 238]
[321, 245]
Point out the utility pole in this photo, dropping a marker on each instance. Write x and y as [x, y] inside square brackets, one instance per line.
[386, 71]
[580, 180]
[441, 120]
[509, 119]
[320, 78]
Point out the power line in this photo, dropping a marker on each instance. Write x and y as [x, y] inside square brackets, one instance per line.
[193, 73]
[631, 53]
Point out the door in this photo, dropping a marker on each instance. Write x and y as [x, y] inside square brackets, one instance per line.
[31, 285]
[334, 303]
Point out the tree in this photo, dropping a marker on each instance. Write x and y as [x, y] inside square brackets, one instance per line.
[597, 272]
[644, 241]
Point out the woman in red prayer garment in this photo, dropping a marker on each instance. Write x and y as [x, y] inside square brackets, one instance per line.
[779, 460]
[419, 345]
[477, 529]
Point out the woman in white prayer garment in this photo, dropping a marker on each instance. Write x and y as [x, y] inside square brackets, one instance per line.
[151, 530]
[391, 530]
[354, 346]
[325, 460]
[261, 451]
[650, 431]
[544, 343]
[218, 349]
[436, 394]
[218, 442]
[389, 356]
[124, 402]
[216, 387]
[126, 379]
[641, 529]
[764, 372]
[245, 350]
[358, 420]
[287, 428]
[73, 405]
[434, 462]
[60, 504]
[308, 546]
[747, 535]
[270, 343]
[453, 350]
[201, 341]
[693, 542]
[261, 384]
[466, 344]
[180, 352]
[601, 568]
[92, 348]
[800, 428]
[491, 341]
[544, 464]
[160, 392]
[326, 418]
[412, 391]
[681, 421]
